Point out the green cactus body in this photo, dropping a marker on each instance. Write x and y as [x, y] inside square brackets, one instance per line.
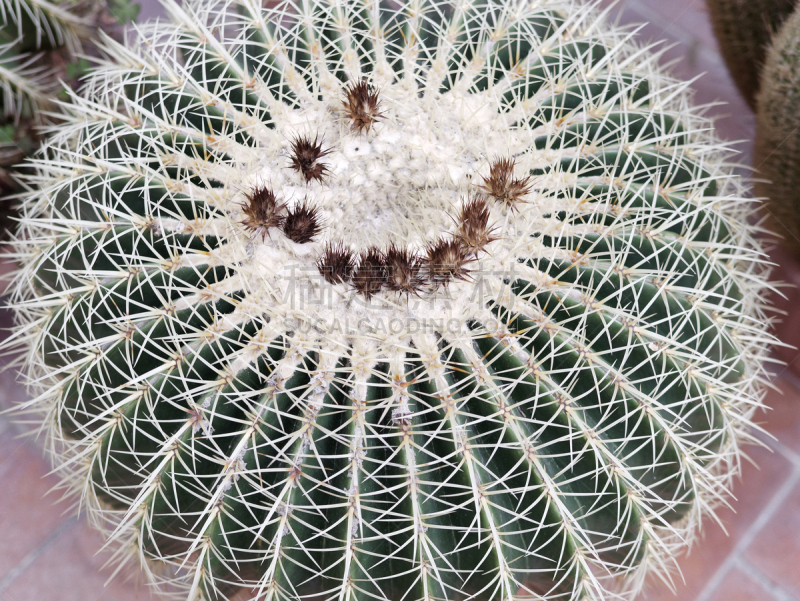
[339, 300]
[744, 30]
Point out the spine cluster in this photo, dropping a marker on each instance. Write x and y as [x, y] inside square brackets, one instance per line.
[401, 269]
[395, 267]
[362, 106]
[503, 187]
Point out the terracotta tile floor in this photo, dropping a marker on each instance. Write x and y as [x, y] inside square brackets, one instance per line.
[46, 553]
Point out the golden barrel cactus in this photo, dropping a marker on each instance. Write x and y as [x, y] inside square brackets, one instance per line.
[374, 300]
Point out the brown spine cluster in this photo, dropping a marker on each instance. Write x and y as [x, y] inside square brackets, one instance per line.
[263, 211]
[396, 268]
[404, 272]
[370, 275]
[445, 261]
[362, 106]
[336, 263]
[401, 270]
[302, 223]
[473, 231]
[503, 187]
[306, 157]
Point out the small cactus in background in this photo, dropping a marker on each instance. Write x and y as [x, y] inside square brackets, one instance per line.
[32, 34]
[357, 300]
[777, 146]
[744, 30]
[40, 45]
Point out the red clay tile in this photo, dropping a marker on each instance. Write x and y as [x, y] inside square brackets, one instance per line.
[756, 487]
[70, 570]
[738, 586]
[787, 326]
[776, 550]
[782, 420]
[27, 517]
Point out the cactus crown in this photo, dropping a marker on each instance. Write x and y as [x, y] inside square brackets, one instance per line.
[358, 300]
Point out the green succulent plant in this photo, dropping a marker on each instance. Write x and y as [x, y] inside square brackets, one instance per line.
[363, 300]
[32, 33]
[744, 30]
[41, 50]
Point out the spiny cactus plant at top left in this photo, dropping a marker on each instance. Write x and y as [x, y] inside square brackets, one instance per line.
[40, 44]
[38, 39]
[364, 300]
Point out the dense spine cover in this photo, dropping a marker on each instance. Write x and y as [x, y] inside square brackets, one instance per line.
[777, 145]
[29, 31]
[339, 300]
[744, 30]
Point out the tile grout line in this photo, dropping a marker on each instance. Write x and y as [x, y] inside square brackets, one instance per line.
[31, 557]
[763, 580]
[749, 536]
